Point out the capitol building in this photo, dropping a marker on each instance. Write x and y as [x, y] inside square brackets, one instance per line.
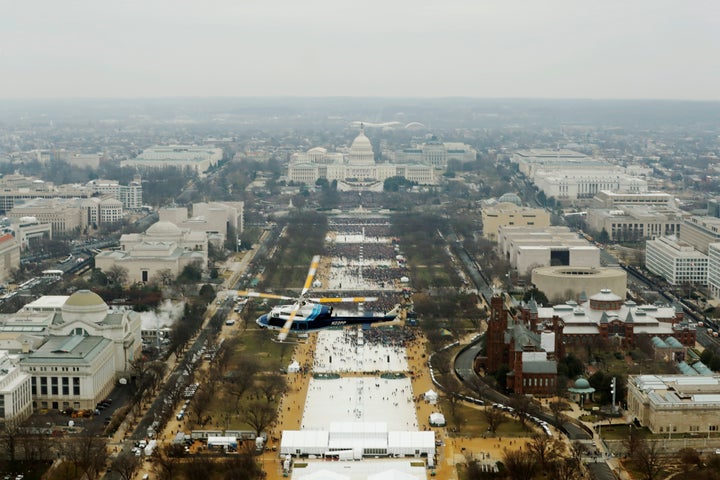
[355, 170]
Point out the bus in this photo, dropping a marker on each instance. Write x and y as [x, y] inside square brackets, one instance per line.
[52, 273]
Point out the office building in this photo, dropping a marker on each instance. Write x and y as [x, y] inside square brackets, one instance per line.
[198, 158]
[700, 232]
[9, 257]
[629, 223]
[676, 261]
[509, 214]
[531, 247]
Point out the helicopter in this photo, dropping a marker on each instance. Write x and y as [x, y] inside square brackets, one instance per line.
[307, 315]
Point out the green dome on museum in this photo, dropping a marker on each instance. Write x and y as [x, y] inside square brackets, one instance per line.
[581, 384]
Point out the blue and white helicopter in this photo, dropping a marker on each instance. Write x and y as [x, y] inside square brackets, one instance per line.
[307, 315]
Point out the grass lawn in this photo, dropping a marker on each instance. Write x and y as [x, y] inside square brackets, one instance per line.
[272, 357]
[473, 424]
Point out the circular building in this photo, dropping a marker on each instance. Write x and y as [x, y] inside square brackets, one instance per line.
[567, 283]
[581, 390]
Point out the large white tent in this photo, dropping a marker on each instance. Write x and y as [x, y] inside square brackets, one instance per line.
[411, 443]
[304, 442]
[324, 475]
[392, 474]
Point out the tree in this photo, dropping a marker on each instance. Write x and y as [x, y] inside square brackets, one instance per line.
[165, 461]
[240, 380]
[117, 275]
[519, 465]
[565, 469]
[201, 402]
[272, 386]
[126, 464]
[12, 430]
[536, 294]
[207, 293]
[494, 418]
[259, 414]
[545, 449]
[87, 452]
[521, 405]
[192, 273]
[164, 277]
[689, 458]
[648, 459]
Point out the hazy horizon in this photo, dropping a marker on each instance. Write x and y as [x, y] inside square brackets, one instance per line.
[489, 49]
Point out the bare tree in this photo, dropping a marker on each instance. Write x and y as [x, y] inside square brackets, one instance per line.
[240, 380]
[117, 275]
[689, 458]
[648, 459]
[35, 442]
[163, 277]
[12, 431]
[521, 405]
[259, 414]
[272, 386]
[565, 469]
[165, 461]
[87, 452]
[519, 465]
[494, 418]
[126, 464]
[224, 354]
[201, 402]
[545, 449]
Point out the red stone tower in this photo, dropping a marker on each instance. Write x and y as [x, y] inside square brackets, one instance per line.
[495, 336]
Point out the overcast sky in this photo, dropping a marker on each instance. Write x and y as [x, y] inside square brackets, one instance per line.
[479, 48]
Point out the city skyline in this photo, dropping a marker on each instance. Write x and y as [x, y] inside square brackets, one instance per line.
[462, 48]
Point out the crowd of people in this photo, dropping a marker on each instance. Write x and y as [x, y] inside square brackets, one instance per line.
[370, 251]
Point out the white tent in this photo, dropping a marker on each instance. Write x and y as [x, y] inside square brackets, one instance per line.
[437, 419]
[431, 396]
[392, 474]
[324, 475]
[404, 279]
[294, 367]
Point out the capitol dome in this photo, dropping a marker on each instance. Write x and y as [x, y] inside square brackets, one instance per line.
[361, 151]
[163, 229]
[84, 305]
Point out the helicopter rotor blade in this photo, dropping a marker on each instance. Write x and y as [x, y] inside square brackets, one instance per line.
[343, 299]
[311, 274]
[264, 295]
[285, 330]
